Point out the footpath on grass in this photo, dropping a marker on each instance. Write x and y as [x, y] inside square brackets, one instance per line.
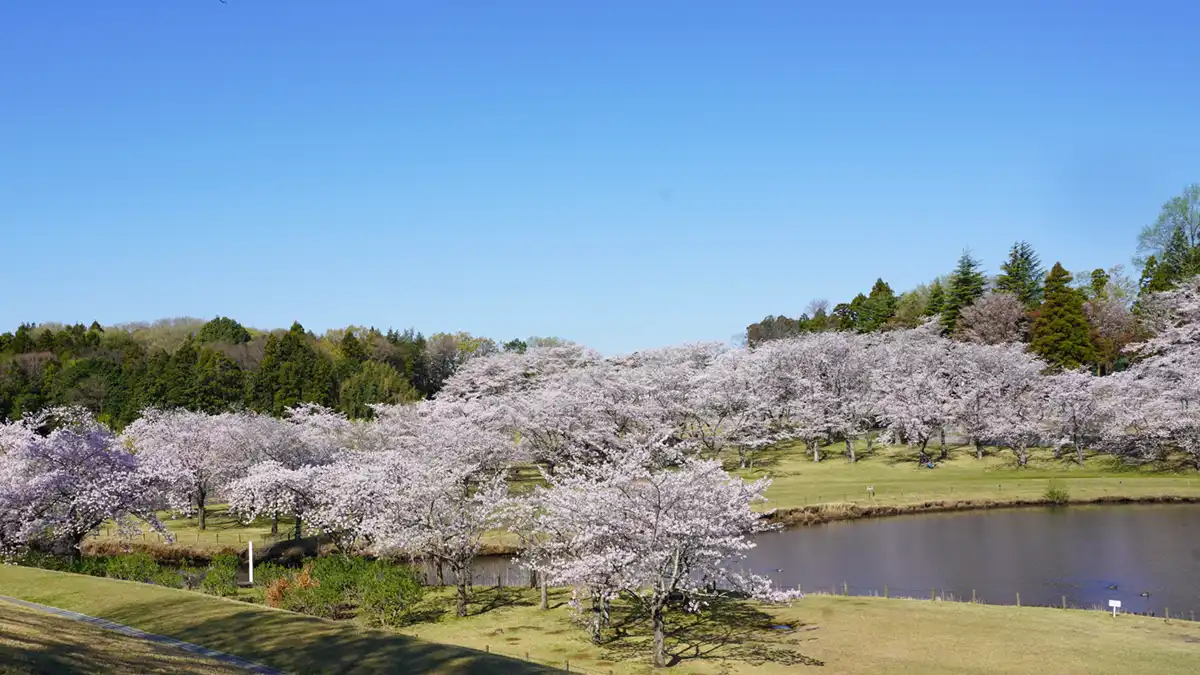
[229, 659]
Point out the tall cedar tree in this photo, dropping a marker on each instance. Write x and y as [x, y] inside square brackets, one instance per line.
[965, 286]
[878, 307]
[1060, 334]
[1022, 275]
[937, 299]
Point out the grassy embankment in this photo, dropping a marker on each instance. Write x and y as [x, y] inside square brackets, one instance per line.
[806, 492]
[32, 642]
[845, 635]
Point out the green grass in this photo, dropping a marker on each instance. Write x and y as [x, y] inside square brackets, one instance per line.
[32, 642]
[222, 530]
[797, 481]
[283, 640]
[830, 634]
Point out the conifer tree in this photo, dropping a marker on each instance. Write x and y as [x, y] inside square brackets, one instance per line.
[1022, 275]
[965, 287]
[937, 299]
[1060, 334]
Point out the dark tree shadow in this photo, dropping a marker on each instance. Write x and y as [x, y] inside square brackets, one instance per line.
[728, 630]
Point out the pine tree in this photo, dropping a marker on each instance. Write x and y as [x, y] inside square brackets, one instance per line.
[1060, 334]
[965, 287]
[937, 299]
[1099, 285]
[877, 308]
[1022, 275]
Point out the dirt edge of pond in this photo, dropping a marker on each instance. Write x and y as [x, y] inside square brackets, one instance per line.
[835, 511]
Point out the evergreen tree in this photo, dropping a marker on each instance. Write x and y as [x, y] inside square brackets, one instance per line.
[1099, 285]
[965, 287]
[352, 348]
[1022, 275]
[219, 383]
[937, 299]
[223, 329]
[877, 308]
[1061, 335]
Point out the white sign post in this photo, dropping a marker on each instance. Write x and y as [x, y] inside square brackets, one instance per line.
[1115, 604]
[250, 557]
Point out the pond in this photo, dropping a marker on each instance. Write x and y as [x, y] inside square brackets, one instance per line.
[1087, 554]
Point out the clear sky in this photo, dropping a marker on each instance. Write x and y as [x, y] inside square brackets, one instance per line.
[624, 174]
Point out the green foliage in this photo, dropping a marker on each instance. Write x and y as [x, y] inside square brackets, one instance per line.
[375, 383]
[388, 593]
[138, 566]
[1060, 333]
[223, 329]
[266, 574]
[221, 578]
[1022, 275]
[1098, 286]
[339, 575]
[1057, 494]
[877, 308]
[964, 287]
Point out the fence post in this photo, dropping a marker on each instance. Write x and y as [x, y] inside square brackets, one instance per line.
[1168, 611]
[845, 589]
[885, 590]
[933, 594]
[1064, 602]
[972, 596]
[1018, 599]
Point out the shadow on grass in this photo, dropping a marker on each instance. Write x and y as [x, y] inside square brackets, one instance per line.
[31, 643]
[728, 631]
[298, 643]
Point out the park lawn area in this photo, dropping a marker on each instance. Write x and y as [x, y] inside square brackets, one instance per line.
[833, 634]
[797, 481]
[32, 643]
[223, 530]
[283, 640]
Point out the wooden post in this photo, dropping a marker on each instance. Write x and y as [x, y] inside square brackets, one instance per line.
[933, 594]
[845, 589]
[972, 596]
[885, 590]
[1168, 611]
[1018, 599]
[1064, 602]
[250, 558]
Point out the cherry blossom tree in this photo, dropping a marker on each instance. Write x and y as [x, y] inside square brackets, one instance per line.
[913, 385]
[56, 486]
[1018, 421]
[656, 536]
[996, 318]
[1074, 417]
[194, 454]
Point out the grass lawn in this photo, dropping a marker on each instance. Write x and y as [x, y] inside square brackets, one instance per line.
[33, 643]
[283, 640]
[797, 481]
[822, 634]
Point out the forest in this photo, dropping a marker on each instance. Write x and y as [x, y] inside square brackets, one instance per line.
[1070, 320]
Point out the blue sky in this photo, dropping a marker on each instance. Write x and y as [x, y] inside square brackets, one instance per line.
[625, 174]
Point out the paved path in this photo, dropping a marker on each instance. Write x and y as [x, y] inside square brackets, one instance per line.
[229, 659]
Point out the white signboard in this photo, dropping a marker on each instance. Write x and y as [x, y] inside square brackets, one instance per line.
[1115, 604]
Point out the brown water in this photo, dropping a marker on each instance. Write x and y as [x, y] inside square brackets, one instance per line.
[1045, 554]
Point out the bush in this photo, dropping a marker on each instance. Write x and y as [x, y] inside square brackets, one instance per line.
[132, 567]
[96, 567]
[388, 592]
[268, 573]
[42, 560]
[171, 578]
[222, 575]
[1057, 494]
[340, 576]
[303, 593]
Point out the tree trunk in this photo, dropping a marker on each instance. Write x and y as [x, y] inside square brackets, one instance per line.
[441, 573]
[543, 594]
[1022, 455]
[870, 443]
[741, 458]
[533, 578]
[978, 448]
[816, 450]
[850, 449]
[660, 642]
[299, 527]
[1079, 453]
[275, 524]
[460, 608]
[200, 502]
[597, 619]
[942, 454]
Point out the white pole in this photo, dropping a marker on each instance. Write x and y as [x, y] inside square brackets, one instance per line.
[251, 558]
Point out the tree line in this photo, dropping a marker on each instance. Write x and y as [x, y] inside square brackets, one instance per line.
[1069, 320]
[219, 365]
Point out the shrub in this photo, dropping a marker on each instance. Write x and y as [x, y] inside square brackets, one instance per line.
[340, 576]
[303, 593]
[268, 573]
[171, 578]
[388, 592]
[42, 560]
[1057, 494]
[132, 567]
[94, 566]
[222, 575]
